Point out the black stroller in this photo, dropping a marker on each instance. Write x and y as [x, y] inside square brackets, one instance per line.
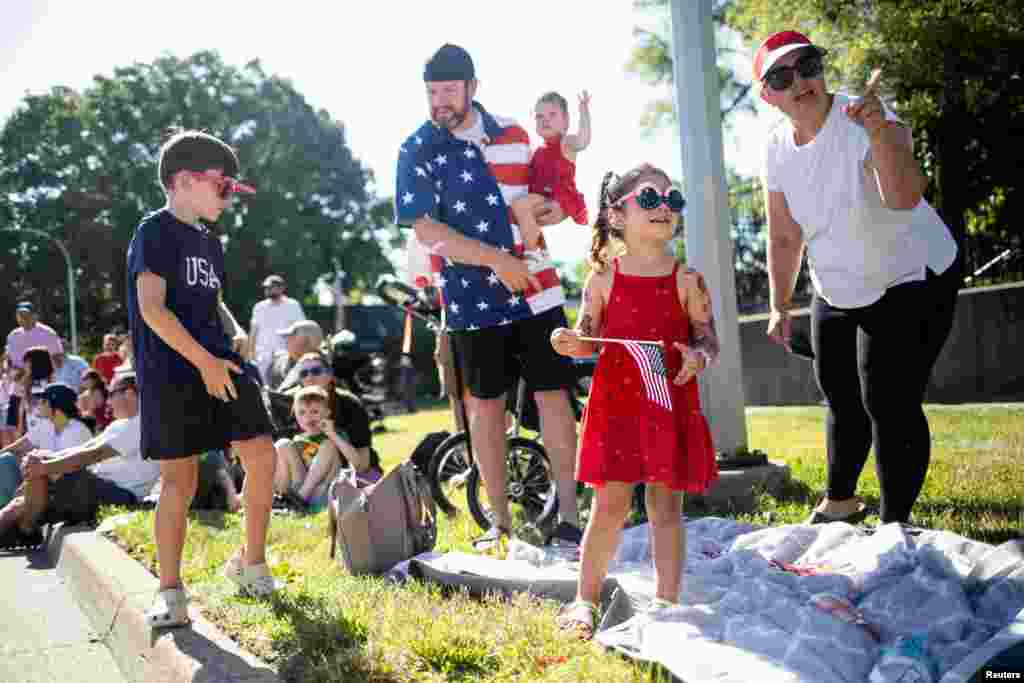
[529, 485]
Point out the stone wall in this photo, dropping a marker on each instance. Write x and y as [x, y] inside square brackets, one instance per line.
[982, 361]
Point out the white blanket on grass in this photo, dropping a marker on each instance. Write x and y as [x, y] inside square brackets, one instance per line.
[743, 618]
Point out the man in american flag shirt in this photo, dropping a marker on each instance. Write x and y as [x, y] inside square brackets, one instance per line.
[457, 176]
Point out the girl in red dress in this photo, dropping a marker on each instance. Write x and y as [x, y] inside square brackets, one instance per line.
[553, 166]
[630, 434]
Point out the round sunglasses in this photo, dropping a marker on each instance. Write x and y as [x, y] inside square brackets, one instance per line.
[649, 198]
[781, 78]
[314, 371]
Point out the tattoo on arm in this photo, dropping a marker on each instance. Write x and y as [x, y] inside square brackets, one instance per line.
[705, 337]
[586, 325]
[702, 320]
[589, 322]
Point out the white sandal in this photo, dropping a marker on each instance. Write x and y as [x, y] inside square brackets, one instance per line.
[579, 616]
[255, 581]
[170, 608]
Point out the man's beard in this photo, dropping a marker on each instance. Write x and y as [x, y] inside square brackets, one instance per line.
[457, 116]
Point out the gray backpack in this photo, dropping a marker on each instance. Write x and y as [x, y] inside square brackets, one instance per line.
[383, 524]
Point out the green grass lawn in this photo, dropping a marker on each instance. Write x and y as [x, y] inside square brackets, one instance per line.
[328, 626]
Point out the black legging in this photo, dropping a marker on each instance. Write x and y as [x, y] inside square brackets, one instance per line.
[873, 365]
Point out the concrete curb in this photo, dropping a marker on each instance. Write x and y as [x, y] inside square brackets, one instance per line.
[114, 592]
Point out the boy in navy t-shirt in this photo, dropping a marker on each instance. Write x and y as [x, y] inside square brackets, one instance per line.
[195, 392]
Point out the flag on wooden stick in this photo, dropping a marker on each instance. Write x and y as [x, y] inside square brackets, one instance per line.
[651, 361]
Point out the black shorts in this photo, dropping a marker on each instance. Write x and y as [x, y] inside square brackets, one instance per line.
[76, 497]
[492, 358]
[180, 419]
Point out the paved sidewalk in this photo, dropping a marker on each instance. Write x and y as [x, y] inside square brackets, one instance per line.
[44, 636]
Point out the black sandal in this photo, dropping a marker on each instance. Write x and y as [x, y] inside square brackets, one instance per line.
[818, 517]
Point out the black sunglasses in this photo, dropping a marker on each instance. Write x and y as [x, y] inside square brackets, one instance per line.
[809, 66]
[649, 198]
[313, 372]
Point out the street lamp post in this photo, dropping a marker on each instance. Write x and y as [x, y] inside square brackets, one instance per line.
[71, 277]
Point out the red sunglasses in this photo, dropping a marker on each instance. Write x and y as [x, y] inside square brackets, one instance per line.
[226, 185]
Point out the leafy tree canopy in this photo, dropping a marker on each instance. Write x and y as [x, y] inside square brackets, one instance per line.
[81, 166]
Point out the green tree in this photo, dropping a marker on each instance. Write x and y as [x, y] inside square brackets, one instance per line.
[651, 59]
[82, 167]
[954, 71]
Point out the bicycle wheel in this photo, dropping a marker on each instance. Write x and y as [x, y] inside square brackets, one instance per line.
[529, 487]
[448, 471]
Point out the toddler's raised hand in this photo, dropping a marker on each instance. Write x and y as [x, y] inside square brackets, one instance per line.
[584, 99]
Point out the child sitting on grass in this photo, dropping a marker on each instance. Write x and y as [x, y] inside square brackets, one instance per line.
[310, 461]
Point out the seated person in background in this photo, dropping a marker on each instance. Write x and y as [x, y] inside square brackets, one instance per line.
[36, 374]
[51, 448]
[8, 404]
[92, 402]
[302, 337]
[308, 462]
[346, 410]
[216, 488]
[108, 359]
[214, 466]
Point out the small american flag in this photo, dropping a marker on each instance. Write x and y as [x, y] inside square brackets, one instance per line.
[652, 369]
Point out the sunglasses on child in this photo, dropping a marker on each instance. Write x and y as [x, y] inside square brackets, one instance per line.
[649, 198]
[781, 77]
[314, 371]
[225, 185]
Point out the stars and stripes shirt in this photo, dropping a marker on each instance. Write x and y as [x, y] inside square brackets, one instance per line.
[469, 188]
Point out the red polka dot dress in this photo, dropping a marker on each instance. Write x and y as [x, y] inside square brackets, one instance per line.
[627, 437]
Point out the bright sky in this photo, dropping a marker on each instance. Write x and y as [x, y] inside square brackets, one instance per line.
[363, 62]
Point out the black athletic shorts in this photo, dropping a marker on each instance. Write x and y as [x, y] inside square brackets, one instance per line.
[181, 419]
[492, 358]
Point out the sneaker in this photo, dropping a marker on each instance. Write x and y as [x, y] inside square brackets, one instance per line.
[170, 608]
[255, 581]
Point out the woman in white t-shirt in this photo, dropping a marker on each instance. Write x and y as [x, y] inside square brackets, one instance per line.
[841, 180]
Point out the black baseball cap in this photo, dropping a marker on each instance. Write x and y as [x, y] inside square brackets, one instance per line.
[25, 307]
[60, 397]
[449, 63]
